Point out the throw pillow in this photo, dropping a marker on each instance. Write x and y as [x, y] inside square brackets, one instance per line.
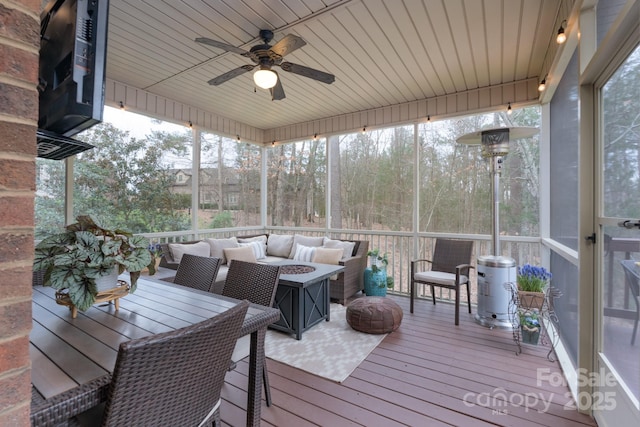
[279, 245]
[218, 246]
[179, 249]
[328, 256]
[304, 253]
[261, 240]
[257, 248]
[306, 241]
[347, 247]
[243, 253]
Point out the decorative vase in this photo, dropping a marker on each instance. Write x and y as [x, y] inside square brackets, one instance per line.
[529, 335]
[109, 281]
[375, 283]
[530, 300]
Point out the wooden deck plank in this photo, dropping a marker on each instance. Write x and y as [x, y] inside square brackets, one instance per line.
[421, 374]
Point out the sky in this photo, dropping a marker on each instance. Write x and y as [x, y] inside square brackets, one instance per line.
[140, 126]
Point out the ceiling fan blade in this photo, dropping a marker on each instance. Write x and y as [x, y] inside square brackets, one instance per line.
[288, 44]
[230, 74]
[223, 46]
[321, 76]
[277, 92]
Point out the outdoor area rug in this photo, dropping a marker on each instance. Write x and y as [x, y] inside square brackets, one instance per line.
[329, 349]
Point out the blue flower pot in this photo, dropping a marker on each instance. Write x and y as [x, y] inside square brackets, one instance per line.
[375, 284]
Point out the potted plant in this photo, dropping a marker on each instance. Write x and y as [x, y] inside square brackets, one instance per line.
[532, 281]
[529, 325]
[79, 259]
[376, 280]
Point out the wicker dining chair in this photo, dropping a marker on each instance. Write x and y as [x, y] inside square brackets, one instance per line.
[449, 269]
[256, 283]
[198, 272]
[173, 378]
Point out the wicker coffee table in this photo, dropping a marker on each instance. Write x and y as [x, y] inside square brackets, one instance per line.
[303, 295]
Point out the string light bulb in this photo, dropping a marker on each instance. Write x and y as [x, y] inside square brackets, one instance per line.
[561, 37]
[509, 110]
[238, 138]
[315, 136]
[190, 124]
[428, 118]
[364, 129]
[273, 143]
[543, 85]
[121, 105]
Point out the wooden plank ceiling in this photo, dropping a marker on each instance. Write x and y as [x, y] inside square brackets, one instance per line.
[382, 52]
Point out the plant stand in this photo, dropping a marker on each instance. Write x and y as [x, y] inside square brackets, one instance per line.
[375, 283]
[549, 331]
[109, 295]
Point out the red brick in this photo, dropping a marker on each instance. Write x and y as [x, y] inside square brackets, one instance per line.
[18, 416]
[17, 174]
[18, 102]
[17, 211]
[19, 64]
[33, 5]
[18, 138]
[13, 387]
[17, 25]
[15, 319]
[15, 246]
[16, 283]
[14, 354]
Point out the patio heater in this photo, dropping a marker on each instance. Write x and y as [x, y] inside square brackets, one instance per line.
[495, 270]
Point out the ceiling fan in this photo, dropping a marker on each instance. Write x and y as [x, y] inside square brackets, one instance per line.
[266, 56]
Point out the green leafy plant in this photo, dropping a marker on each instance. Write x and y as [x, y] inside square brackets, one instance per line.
[381, 260]
[380, 264]
[390, 282]
[532, 278]
[74, 259]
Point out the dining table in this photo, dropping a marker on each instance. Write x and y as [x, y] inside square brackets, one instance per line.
[72, 359]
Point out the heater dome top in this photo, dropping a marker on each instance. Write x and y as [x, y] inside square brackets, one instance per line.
[515, 132]
[495, 142]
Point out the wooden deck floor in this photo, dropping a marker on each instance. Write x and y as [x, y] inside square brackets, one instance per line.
[428, 373]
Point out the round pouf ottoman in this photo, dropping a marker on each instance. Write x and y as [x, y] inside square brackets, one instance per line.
[374, 315]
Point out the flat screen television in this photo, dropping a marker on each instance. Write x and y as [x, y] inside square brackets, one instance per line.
[73, 48]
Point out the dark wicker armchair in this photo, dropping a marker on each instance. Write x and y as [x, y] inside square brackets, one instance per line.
[256, 283]
[198, 272]
[449, 269]
[171, 379]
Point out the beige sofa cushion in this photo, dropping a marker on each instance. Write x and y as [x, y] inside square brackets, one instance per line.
[179, 249]
[279, 245]
[258, 248]
[218, 246]
[243, 253]
[347, 247]
[328, 256]
[299, 239]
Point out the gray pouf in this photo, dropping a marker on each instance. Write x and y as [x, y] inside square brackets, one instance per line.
[374, 315]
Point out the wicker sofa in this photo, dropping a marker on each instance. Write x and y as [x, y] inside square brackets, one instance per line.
[346, 284]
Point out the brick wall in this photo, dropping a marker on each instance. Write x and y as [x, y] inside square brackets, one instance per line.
[19, 44]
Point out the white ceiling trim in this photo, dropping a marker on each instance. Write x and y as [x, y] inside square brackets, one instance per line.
[519, 94]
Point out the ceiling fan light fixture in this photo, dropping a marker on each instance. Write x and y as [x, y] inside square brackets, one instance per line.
[266, 79]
